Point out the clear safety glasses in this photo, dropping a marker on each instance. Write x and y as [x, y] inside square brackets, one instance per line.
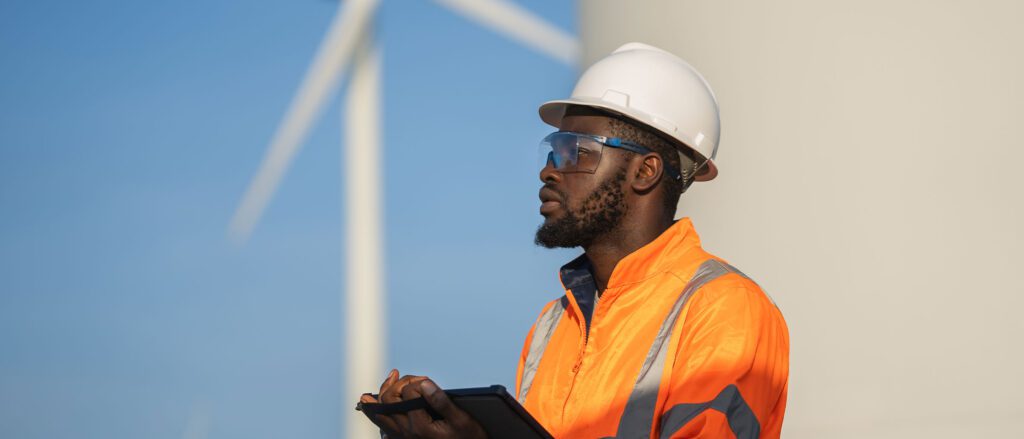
[569, 152]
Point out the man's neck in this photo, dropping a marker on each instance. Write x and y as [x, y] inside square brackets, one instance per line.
[606, 252]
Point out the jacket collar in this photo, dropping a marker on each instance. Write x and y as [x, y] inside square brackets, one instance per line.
[651, 259]
[668, 249]
[577, 277]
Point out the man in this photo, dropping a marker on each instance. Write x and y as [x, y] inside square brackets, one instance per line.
[654, 337]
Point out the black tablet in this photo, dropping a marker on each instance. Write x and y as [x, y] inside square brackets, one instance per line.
[498, 412]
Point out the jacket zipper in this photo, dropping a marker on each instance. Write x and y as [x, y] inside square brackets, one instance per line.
[586, 335]
[579, 357]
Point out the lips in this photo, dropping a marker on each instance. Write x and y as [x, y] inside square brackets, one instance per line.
[550, 201]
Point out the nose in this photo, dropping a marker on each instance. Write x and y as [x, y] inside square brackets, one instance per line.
[549, 175]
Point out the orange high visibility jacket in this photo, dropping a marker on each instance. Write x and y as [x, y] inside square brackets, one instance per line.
[680, 344]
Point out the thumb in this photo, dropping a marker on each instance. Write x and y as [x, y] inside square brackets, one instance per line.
[440, 402]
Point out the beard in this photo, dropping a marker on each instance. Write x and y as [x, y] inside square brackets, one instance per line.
[598, 214]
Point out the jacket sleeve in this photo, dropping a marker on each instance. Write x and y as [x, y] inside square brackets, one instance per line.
[526, 347]
[522, 359]
[729, 375]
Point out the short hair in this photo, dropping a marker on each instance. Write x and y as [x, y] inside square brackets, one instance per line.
[672, 152]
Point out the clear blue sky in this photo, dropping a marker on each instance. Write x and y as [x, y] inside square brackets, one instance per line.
[128, 133]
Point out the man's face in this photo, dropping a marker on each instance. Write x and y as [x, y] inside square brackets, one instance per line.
[579, 207]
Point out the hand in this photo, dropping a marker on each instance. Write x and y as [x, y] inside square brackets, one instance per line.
[417, 424]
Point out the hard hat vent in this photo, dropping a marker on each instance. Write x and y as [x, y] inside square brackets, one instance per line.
[616, 97]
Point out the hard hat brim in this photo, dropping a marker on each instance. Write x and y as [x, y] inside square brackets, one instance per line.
[552, 112]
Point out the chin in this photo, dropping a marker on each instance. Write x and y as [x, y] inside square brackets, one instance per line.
[549, 219]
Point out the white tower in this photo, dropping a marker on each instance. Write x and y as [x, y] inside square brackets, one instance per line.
[868, 180]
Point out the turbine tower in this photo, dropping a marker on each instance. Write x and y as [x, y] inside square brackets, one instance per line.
[349, 40]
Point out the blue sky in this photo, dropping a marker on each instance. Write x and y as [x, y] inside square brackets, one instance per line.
[128, 134]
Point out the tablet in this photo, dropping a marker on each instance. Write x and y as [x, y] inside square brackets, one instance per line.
[498, 412]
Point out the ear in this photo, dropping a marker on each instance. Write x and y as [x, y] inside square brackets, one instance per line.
[648, 173]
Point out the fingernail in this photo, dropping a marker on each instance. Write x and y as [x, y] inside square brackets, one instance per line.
[428, 387]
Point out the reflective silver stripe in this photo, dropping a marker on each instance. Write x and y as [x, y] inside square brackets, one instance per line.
[638, 416]
[545, 326]
[729, 401]
[737, 271]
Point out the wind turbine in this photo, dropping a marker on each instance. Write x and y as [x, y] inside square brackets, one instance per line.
[349, 40]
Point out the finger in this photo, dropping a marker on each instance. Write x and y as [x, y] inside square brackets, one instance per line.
[394, 392]
[418, 419]
[455, 419]
[440, 402]
[367, 398]
[389, 379]
[410, 389]
[414, 419]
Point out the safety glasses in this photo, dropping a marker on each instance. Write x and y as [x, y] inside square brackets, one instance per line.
[569, 152]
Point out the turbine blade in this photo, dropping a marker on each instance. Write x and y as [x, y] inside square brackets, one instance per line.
[521, 25]
[320, 82]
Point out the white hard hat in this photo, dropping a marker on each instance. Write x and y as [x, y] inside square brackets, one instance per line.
[654, 87]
